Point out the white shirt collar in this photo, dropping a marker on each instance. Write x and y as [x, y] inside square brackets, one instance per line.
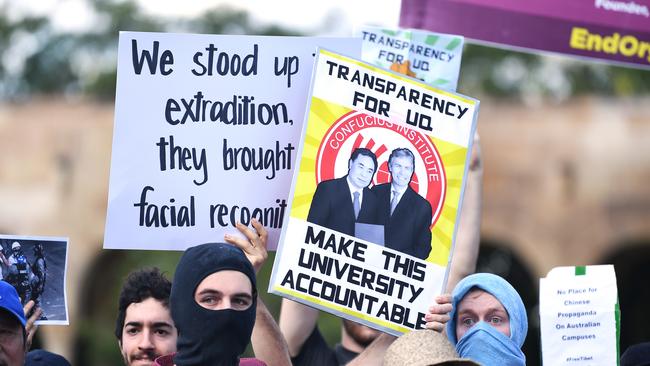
[400, 191]
[354, 189]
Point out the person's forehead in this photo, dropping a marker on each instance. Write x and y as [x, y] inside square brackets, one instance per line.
[147, 311]
[479, 300]
[402, 160]
[226, 281]
[363, 159]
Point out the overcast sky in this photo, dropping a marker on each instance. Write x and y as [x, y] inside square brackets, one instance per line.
[341, 16]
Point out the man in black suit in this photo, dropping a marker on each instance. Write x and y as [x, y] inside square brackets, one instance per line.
[339, 203]
[405, 214]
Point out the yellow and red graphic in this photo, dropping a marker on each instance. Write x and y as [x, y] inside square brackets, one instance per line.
[334, 131]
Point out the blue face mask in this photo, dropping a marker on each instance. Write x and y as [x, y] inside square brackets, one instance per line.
[487, 346]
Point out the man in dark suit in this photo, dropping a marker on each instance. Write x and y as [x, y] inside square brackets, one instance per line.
[405, 214]
[339, 203]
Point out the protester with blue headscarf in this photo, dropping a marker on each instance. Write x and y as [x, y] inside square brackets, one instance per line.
[488, 322]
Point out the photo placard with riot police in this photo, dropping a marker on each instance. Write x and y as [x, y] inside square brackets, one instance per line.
[36, 268]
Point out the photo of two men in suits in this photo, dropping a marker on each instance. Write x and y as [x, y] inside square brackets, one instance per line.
[340, 203]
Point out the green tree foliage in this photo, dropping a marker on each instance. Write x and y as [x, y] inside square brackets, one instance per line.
[500, 73]
[48, 70]
[85, 63]
[10, 31]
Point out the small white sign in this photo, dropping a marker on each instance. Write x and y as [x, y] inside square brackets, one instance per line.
[579, 316]
[431, 57]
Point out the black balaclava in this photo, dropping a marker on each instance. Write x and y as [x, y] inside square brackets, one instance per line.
[209, 337]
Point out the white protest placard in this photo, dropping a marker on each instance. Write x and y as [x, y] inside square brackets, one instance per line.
[579, 316]
[362, 258]
[431, 57]
[205, 135]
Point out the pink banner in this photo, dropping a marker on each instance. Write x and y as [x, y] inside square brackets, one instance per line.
[608, 30]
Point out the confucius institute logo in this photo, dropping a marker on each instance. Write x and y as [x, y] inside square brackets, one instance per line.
[356, 129]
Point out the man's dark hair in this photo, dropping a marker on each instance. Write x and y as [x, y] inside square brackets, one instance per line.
[402, 152]
[139, 286]
[363, 151]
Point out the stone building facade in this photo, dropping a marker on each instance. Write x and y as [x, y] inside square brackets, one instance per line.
[564, 184]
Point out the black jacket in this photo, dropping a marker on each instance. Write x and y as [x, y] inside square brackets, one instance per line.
[332, 206]
[408, 228]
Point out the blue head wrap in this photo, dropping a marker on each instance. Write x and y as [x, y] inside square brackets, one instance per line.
[484, 335]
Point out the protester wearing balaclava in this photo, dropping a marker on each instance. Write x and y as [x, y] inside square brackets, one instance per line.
[483, 343]
[210, 337]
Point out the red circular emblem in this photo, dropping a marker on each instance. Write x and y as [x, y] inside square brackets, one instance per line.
[357, 129]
